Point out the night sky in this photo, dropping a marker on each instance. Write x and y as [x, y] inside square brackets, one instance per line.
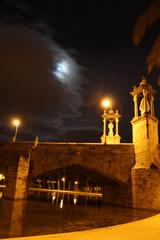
[94, 38]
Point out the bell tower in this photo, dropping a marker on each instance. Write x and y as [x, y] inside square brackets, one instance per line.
[144, 126]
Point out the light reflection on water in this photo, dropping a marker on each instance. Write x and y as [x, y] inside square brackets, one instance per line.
[24, 218]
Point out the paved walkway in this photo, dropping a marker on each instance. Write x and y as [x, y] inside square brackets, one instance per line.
[146, 229]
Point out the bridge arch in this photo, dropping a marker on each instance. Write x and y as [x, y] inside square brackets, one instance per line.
[111, 161]
[88, 179]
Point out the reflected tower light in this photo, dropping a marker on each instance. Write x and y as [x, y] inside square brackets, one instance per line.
[16, 123]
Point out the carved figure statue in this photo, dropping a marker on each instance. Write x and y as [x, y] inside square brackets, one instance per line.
[110, 126]
[144, 109]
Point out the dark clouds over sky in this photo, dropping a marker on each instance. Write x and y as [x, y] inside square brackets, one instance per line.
[95, 38]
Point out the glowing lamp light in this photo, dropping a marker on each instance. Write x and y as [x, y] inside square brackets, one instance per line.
[16, 122]
[106, 103]
[63, 179]
[2, 176]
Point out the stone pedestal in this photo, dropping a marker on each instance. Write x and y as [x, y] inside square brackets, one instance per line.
[145, 139]
[103, 139]
[113, 139]
[17, 175]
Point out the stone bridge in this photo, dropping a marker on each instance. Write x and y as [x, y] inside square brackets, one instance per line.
[112, 161]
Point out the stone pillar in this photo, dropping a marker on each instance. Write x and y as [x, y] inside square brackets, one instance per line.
[17, 176]
[16, 221]
[145, 174]
[135, 106]
[145, 139]
[145, 101]
[145, 178]
[103, 138]
[146, 188]
[117, 120]
[152, 106]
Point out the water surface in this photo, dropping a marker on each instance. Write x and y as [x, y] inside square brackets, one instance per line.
[25, 218]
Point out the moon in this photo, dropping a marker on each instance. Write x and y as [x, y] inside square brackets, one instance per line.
[63, 70]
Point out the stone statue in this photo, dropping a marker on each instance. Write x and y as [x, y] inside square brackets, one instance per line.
[144, 109]
[110, 126]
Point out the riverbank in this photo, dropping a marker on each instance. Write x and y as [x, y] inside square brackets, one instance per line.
[146, 229]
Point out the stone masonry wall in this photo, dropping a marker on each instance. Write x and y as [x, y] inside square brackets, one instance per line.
[146, 188]
[17, 175]
[118, 194]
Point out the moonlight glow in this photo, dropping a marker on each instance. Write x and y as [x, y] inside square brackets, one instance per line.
[63, 70]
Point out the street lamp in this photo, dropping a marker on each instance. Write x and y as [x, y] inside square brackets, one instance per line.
[105, 103]
[63, 180]
[16, 123]
[76, 185]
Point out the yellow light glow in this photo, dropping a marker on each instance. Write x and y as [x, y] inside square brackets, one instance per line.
[63, 179]
[76, 182]
[106, 103]
[2, 176]
[61, 203]
[75, 200]
[53, 196]
[16, 122]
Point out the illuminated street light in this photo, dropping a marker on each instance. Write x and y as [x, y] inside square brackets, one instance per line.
[2, 177]
[76, 185]
[16, 123]
[63, 180]
[105, 103]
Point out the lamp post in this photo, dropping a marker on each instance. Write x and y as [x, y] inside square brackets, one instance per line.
[105, 103]
[76, 185]
[63, 180]
[16, 123]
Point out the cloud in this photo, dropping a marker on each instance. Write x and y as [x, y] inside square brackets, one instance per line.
[28, 87]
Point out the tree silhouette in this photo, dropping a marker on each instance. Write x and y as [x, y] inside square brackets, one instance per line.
[142, 25]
